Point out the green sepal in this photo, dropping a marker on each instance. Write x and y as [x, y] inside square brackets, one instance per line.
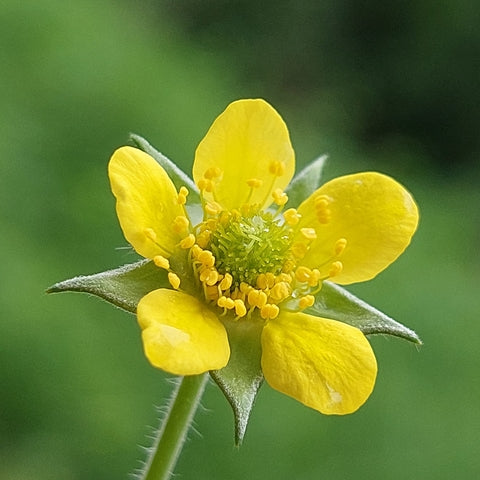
[123, 286]
[176, 174]
[336, 303]
[241, 379]
[305, 182]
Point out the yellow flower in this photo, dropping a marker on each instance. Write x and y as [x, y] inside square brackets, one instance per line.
[249, 261]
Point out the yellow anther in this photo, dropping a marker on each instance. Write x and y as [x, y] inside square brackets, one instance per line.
[182, 196]
[257, 298]
[270, 279]
[291, 216]
[288, 266]
[203, 238]
[321, 201]
[240, 308]
[324, 216]
[335, 268]
[265, 280]
[306, 301]
[210, 292]
[279, 197]
[226, 282]
[299, 249]
[262, 281]
[196, 251]
[283, 277]
[161, 262]
[245, 287]
[150, 234]
[254, 183]
[204, 274]
[188, 241]
[315, 278]
[212, 278]
[309, 233]
[276, 168]
[180, 224]
[269, 311]
[211, 224]
[174, 280]
[280, 292]
[321, 206]
[206, 258]
[229, 303]
[340, 245]
[225, 302]
[213, 208]
[205, 185]
[303, 274]
[212, 172]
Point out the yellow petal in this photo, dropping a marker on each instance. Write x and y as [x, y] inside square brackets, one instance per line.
[374, 214]
[246, 142]
[180, 334]
[146, 202]
[326, 365]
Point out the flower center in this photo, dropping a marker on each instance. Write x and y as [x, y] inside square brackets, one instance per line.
[248, 261]
[247, 246]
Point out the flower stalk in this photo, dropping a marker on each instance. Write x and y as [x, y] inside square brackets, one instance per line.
[172, 434]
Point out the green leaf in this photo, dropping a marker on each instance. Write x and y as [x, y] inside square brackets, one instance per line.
[241, 379]
[305, 182]
[124, 286]
[338, 304]
[176, 174]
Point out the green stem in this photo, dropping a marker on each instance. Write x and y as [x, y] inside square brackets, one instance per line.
[173, 432]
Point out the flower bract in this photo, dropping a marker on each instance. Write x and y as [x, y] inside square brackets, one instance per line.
[253, 259]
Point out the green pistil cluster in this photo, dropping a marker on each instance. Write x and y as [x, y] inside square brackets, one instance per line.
[246, 247]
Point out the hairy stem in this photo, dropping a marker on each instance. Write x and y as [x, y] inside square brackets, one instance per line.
[173, 432]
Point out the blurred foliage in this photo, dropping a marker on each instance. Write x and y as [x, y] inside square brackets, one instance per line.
[77, 77]
[385, 73]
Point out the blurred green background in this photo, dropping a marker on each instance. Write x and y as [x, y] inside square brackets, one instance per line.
[388, 86]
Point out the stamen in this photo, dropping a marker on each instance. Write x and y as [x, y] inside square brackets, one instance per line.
[265, 280]
[276, 168]
[321, 207]
[181, 224]
[291, 216]
[306, 301]
[280, 292]
[226, 282]
[303, 274]
[174, 280]
[240, 308]
[299, 250]
[269, 311]
[205, 185]
[213, 208]
[254, 183]
[188, 241]
[161, 262]
[206, 258]
[212, 172]
[182, 196]
[150, 234]
[203, 238]
[279, 197]
[335, 269]
[257, 298]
